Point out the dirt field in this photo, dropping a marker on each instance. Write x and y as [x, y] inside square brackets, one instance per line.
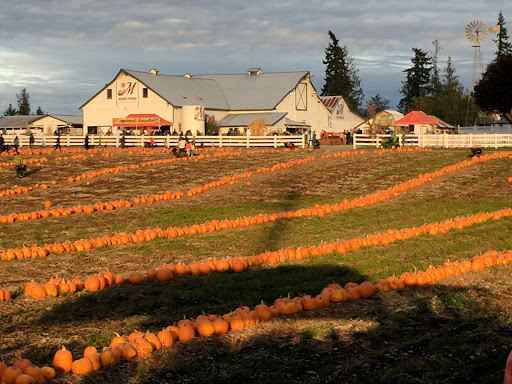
[457, 330]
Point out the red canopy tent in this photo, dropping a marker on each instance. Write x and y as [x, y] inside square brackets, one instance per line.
[144, 120]
[416, 118]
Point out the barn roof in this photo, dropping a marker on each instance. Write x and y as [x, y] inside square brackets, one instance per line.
[416, 118]
[331, 101]
[247, 91]
[18, 121]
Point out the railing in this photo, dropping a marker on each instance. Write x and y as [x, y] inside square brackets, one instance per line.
[494, 140]
[160, 141]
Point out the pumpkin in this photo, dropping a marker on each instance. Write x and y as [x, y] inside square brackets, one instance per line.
[117, 340]
[135, 278]
[165, 338]
[10, 375]
[24, 379]
[135, 335]
[37, 292]
[143, 347]
[48, 372]
[263, 312]
[119, 279]
[90, 350]
[82, 366]
[309, 303]
[163, 274]
[51, 289]
[186, 333]
[47, 204]
[127, 351]
[3, 367]
[236, 322]
[367, 290]
[153, 340]
[205, 328]
[36, 373]
[92, 284]
[110, 357]
[62, 360]
[22, 364]
[95, 361]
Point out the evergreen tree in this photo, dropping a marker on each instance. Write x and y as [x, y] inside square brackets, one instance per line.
[23, 103]
[10, 111]
[450, 103]
[504, 46]
[417, 87]
[39, 111]
[341, 76]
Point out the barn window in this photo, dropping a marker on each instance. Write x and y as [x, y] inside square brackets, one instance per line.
[145, 93]
[109, 93]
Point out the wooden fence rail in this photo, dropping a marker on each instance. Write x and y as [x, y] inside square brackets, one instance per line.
[492, 140]
[160, 141]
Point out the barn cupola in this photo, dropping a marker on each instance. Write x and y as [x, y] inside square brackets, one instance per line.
[154, 71]
[254, 71]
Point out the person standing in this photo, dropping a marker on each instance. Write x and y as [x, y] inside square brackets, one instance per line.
[57, 143]
[18, 164]
[86, 142]
[31, 140]
[2, 143]
[123, 141]
[16, 143]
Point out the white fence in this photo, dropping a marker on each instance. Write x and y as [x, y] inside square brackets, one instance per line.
[494, 140]
[160, 141]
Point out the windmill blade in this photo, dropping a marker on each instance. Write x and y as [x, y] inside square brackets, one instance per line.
[476, 31]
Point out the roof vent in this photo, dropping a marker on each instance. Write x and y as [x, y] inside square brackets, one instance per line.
[187, 75]
[154, 71]
[254, 71]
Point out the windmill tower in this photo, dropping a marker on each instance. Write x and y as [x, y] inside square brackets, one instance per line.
[476, 32]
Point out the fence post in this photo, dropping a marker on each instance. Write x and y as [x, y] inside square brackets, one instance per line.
[354, 139]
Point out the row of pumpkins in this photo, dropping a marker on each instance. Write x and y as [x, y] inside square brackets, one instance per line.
[57, 286]
[34, 215]
[142, 344]
[214, 225]
[13, 191]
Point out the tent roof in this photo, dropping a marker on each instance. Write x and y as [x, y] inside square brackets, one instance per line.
[416, 118]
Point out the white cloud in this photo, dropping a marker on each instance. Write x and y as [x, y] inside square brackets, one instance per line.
[76, 46]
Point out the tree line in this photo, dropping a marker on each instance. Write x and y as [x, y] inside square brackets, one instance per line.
[23, 105]
[426, 87]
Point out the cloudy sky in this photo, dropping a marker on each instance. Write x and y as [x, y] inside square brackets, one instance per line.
[64, 51]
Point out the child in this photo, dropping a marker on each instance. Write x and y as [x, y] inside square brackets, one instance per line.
[18, 164]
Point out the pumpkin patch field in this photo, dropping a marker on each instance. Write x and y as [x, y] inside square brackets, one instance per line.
[256, 266]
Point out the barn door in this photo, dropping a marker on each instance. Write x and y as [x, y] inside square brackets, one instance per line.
[301, 101]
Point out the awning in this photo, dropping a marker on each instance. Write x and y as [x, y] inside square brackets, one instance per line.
[244, 119]
[150, 120]
[295, 124]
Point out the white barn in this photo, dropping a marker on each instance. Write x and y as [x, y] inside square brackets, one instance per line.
[342, 119]
[150, 100]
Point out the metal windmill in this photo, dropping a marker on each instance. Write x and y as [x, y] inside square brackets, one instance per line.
[476, 32]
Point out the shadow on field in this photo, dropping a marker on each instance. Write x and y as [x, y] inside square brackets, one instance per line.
[430, 334]
[278, 229]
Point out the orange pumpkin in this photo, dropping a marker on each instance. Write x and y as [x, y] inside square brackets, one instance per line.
[62, 360]
[82, 366]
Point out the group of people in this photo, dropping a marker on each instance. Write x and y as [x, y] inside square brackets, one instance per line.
[185, 147]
